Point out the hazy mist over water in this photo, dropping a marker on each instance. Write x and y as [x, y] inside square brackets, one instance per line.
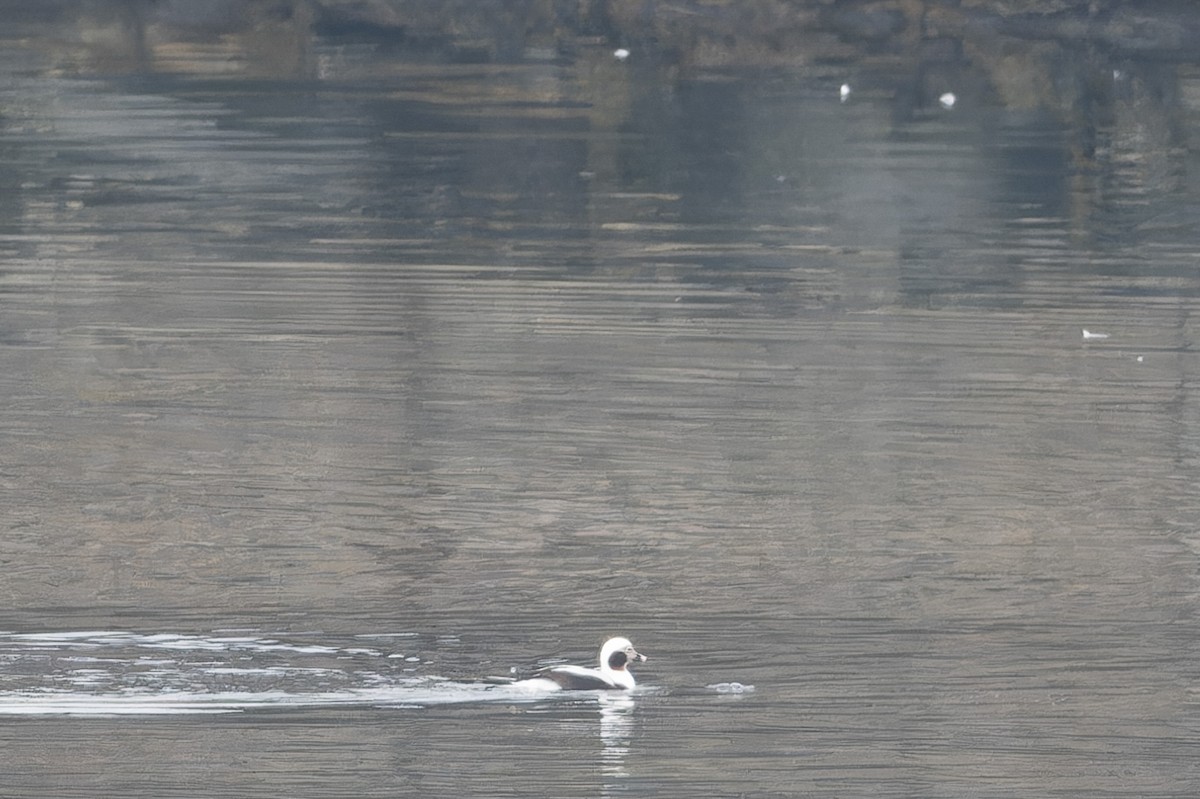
[328, 397]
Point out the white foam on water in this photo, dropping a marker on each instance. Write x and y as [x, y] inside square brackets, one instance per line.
[731, 688]
[413, 693]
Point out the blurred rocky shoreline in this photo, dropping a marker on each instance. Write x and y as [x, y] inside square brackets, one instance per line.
[276, 36]
[1128, 67]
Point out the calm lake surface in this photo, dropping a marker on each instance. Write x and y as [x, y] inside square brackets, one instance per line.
[326, 399]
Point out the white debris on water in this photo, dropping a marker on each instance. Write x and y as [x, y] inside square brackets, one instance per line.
[731, 688]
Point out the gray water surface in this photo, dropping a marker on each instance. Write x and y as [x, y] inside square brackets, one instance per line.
[326, 397]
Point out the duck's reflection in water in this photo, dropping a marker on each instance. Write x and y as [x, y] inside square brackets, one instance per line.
[616, 730]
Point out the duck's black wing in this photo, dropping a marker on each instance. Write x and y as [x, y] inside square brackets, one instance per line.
[577, 678]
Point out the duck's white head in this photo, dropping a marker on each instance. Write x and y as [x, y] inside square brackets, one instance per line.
[616, 654]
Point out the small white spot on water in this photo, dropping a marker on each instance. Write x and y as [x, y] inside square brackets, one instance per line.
[731, 688]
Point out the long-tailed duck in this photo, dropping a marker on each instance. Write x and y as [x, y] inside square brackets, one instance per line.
[615, 655]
